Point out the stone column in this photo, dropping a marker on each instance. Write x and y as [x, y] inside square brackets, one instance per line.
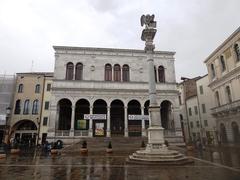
[72, 122]
[125, 122]
[53, 122]
[90, 122]
[143, 122]
[108, 122]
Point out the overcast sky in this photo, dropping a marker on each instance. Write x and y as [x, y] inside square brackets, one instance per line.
[193, 29]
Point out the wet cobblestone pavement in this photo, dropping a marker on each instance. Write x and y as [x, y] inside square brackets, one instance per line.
[99, 165]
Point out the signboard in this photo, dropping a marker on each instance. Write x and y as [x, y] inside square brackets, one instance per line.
[99, 129]
[138, 117]
[95, 116]
[2, 119]
[81, 124]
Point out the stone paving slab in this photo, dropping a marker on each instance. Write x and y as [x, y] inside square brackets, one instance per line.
[102, 166]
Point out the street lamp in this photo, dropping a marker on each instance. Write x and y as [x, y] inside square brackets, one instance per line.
[38, 122]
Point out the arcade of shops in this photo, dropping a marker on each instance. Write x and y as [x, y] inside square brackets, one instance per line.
[103, 120]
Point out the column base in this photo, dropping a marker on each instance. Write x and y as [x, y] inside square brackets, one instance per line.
[125, 133]
[108, 133]
[90, 133]
[71, 133]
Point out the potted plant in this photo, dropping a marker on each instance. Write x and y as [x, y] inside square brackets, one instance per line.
[15, 148]
[109, 148]
[84, 149]
[189, 145]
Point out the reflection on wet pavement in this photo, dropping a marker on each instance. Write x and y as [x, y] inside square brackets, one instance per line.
[102, 166]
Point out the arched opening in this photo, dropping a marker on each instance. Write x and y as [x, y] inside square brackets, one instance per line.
[25, 132]
[161, 74]
[108, 72]
[20, 88]
[146, 107]
[26, 107]
[117, 118]
[35, 107]
[237, 51]
[65, 114]
[82, 107]
[223, 65]
[212, 70]
[167, 115]
[126, 76]
[117, 72]
[217, 99]
[135, 125]
[100, 124]
[223, 133]
[79, 71]
[235, 131]
[228, 94]
[69, 71]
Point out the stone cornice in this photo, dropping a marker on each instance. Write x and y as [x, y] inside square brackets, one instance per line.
[226, 77]
[109, 50]
[223, 44]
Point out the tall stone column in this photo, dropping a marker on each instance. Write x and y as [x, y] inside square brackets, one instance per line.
[108, 122]
[143, 123]
[53, 122]
[91, 122]
[72, 122]
[125, 122]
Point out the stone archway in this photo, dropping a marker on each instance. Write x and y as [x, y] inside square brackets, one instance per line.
[134, 126]
[82, 107]
[65, 114]
[167, 115]
[117, 118]
[223, 133]
[235, 132]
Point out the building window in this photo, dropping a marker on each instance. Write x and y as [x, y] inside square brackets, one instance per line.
[213, 71]
[20, 88]
[46, 106]
[205, 123]
[117, 72]
[237, 51]
[125, 73]
[198, 124]
[161, 74]
[196, 110]
[228, 94]
[201, 89]
[69, 71]
[155, 73]
[217, 98]
[190, 111]
[26, 107]
[203, 108]
[191, 124]
[180, 99]
[79, 71]
[37, 88]
[223, 65]
[45, 121]
[17, 107]
[35, 107]
[108, 72]
[48, 87]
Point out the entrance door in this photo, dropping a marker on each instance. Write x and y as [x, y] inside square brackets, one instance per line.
[99, 128]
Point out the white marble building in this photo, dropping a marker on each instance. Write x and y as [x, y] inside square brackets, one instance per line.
[112, 84]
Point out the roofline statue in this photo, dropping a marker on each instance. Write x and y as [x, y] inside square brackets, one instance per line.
[148, 21]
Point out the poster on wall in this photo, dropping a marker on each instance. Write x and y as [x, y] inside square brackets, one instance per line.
[99, 129]
[81, 124]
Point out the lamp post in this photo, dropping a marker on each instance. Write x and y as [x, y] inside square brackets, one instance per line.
[38, 132]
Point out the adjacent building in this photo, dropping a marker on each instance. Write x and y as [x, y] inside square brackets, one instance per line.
[103, 92]
[28, 100]
[223, 66]
[7, 86]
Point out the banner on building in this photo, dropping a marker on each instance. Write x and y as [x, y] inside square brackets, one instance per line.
[81, 124]
[99, 129]
[138, 117]
[95, 116]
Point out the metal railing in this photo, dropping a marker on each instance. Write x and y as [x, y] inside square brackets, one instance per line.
[226, 107]
[80, 132]
[62, 133]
